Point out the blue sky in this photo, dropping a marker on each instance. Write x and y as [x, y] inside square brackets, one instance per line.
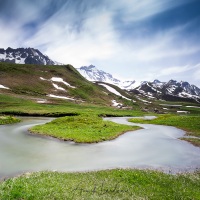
[131, 39]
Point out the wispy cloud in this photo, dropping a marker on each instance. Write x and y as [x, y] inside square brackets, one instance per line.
[137, 10]
[117, 36]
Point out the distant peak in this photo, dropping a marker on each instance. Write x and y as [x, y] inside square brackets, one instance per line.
[156, 81]
[25, 56]
[88, 67]
[91, 66]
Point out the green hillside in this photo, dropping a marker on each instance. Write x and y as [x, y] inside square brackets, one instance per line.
[35, 81]
[33, 90]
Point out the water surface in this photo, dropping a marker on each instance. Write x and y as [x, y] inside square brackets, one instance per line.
[155, 147]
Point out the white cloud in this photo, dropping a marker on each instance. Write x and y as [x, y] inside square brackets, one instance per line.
[8, 36]
[93, 35]
[97, 39]
[174, 70]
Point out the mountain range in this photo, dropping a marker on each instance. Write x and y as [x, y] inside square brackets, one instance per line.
[171, 90]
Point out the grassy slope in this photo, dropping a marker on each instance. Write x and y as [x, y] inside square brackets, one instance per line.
[82, 129]
[110, 184]
[191, 124]
[25, 80]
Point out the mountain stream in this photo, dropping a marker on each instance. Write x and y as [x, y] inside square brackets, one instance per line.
[154, 147]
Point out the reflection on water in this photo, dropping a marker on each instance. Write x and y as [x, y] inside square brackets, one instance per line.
[153, 147]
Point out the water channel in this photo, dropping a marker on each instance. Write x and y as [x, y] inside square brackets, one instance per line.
[154, 147]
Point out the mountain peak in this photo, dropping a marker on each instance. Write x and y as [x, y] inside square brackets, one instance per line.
[90, 67]
[91, 73]
[25, 56]
[156, 81]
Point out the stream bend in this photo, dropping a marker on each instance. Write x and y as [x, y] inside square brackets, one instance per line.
[154, 147]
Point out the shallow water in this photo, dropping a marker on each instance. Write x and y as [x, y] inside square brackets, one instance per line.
[155, 147]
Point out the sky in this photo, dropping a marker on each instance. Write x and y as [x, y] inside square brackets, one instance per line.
[138, 40]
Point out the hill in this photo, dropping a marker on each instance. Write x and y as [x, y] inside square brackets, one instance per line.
[61, 88]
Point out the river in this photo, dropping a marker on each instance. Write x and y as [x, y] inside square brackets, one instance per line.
[154, 147]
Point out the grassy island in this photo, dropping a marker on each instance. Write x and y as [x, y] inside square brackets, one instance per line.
[188, 123]
[82, 129]
[109, 184]
[8, 120]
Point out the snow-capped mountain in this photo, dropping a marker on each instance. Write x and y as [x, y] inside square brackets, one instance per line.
[170, 89]
[91, 73]
[25, 56]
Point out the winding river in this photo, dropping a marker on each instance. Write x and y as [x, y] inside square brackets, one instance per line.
[155, 147]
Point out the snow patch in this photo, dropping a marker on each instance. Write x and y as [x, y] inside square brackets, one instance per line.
[3, 87]
[42, 101]
[112, 90]
[165, 109]
[115, 104]
[60, 97]
[170, 105]
[185, 94]
[182, 111]
[43, 79]
[3, 56]
[57, 79]
[192, 107]
[145, 101]
[57, 87]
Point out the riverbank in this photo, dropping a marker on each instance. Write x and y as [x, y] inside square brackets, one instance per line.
[108, 184]
[188, 123]
[8, 120]
[82, 129]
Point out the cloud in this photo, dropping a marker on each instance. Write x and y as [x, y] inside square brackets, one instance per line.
[117, 36]
[196, 74]
[92, 35]
[137, 10]
[8, 36]
[94, 38]
[174, 70]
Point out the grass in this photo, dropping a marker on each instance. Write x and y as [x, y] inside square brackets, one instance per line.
[189, 123]
[8, 120]
[82, 129]
[21, 106]
[109, 184]
[194, 141]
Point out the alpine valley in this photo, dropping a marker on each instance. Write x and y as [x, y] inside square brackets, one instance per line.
[23, 75]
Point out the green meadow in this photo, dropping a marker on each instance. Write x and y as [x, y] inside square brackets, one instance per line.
[109, 184]
[15, 105]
